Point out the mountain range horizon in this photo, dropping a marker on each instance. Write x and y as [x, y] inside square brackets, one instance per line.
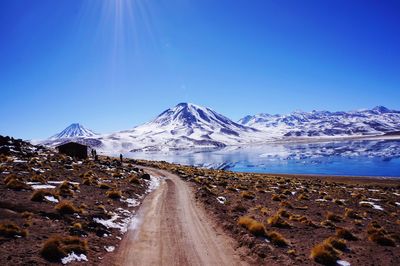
[188, 126]
[379, 108]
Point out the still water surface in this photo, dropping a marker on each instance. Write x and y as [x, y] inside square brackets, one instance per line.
[357, 157]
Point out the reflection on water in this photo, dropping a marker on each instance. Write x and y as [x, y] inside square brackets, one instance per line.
[361, 157]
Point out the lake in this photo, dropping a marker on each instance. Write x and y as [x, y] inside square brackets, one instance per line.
[355, 157]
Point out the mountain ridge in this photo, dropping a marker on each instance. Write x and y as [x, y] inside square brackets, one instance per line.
[188, 125]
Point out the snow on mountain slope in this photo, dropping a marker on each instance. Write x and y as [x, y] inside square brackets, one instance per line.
[376, 121]
[184, 126]
[74, 130]
[188, 126]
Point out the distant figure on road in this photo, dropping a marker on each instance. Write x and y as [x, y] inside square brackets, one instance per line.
[120, 157]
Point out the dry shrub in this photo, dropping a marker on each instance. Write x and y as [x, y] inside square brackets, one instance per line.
[65, 189]
[65, 185]
[37, 178]
[66, 207]
[279, 197]
[301, 208]
[286, 205]
[333, 217]
[134, 180]
[77, 225]
[327, 197]
[303, 197]
[239, 208]
[378, 234]
[27, 215]
[117, 175]
[57, 247]
[324, 254]
[277, 239]
[337, 243]
[275, 197]
[89, 181]
[247, 195]
[10, 229]
[114, 194]
[338, 202]
[39, 195]
[345, 234]
[10, 177]
[104, 186]
[283, 213]
[277, 221]
[254, 227]
[382, 239]
[17, 185]
[328, 223]
[350, 213]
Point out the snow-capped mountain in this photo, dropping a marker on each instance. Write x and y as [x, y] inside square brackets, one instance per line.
[74, 130]
[184, 126]
[377, 121]
[188, 126]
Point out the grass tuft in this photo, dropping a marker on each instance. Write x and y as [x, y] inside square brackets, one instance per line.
[254, 227]
[16, 185]
[350, 213]
[277, 239]
[324, 254]
[345, 234]
[66, 207]
[333, 217]
[248, 195]
[56, 247]
[114, 194]
[277, 221]
[337, 243]
[10, 230]
[39, 195]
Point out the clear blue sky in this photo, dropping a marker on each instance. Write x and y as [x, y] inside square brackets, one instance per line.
[113, 64]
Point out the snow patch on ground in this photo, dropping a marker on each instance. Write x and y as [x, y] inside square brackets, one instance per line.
[43, 186]
[51, 199]
[131, 202]
[73, 257]
[109, 248]
[343, 263]
[60, 182]
[221, 199]
[134, 223]
[154, 182]
[372, 204]
[119, 220]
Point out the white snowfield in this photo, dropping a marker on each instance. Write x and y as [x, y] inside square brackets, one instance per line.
[188, 126]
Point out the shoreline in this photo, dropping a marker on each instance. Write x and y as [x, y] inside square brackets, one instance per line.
[331, 178]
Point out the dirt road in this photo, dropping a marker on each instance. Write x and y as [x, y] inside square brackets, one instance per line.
[172, 229]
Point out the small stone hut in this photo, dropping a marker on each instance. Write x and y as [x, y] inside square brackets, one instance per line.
[73, 149]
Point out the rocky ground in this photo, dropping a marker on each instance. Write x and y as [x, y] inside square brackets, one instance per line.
[300, 220]
[55, 209]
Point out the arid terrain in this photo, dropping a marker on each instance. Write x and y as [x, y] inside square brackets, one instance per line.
[56, 209]
[301, 220]
[52, 205]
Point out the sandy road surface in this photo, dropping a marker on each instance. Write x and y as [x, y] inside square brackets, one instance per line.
[173, 229]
